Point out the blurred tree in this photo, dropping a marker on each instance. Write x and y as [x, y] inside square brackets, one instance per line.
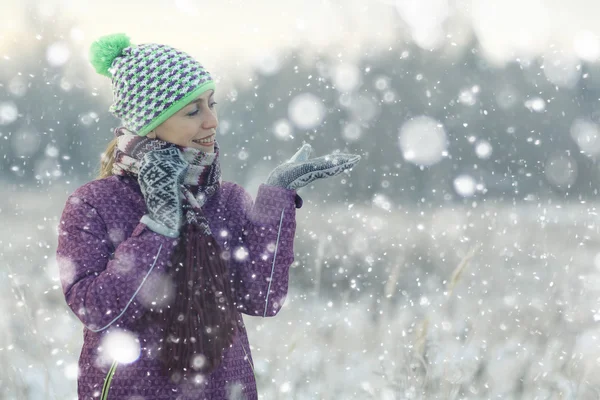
[509, 128]
[54, 131]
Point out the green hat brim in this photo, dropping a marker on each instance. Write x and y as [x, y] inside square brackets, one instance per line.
[178, 105]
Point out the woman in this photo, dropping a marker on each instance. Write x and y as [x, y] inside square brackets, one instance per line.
[159, 257]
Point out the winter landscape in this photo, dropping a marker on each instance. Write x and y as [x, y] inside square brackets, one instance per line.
[459, 260]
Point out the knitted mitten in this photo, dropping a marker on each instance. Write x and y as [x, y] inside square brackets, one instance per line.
[299, 171]
[160, 177]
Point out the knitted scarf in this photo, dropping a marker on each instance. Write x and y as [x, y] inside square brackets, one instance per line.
[201, 321]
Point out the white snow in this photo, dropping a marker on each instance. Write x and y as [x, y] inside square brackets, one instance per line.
[465, 185]
[241, 253]
[306, 111]
[586, 45]
[58, 54]
[536, 104]
[586, 134]
[561, 170]
[346, 77]
[352, 132]
[563, 70]
[423, 140]
[8, 112]
[283, 129]
[483, 149]
[121, 346]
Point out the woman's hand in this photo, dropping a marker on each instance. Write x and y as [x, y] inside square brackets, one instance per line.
[299, 170]
[160, 177]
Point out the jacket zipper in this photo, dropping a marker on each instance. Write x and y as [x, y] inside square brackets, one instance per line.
[108, 380]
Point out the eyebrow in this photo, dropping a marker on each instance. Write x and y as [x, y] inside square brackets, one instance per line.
[201, 100]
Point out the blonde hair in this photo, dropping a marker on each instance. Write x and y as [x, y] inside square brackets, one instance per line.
[107, 159]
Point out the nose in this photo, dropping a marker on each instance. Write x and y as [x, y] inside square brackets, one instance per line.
[210, 121]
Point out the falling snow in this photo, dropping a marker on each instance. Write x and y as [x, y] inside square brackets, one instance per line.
[423, 140]
[458, 260]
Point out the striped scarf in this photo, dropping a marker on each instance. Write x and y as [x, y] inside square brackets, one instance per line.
[203, 177]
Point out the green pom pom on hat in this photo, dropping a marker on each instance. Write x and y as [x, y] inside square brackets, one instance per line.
[106, 49]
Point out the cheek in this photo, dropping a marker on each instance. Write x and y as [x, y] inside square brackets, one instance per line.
[189, 130]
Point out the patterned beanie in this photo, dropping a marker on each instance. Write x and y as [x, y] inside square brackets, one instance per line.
[150, 82]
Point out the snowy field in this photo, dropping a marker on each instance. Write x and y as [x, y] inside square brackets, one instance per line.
[480, 302]
[444, 100]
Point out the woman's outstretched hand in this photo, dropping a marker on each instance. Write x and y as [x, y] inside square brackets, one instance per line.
[299, 170]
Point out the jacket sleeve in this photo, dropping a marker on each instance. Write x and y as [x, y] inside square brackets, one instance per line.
[261, 247]
[101, 287]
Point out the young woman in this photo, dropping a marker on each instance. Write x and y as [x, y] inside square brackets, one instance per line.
[159, 257]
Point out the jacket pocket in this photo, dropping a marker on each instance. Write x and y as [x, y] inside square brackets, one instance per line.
[108, 380]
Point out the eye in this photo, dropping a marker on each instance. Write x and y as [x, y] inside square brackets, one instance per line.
[195, 112]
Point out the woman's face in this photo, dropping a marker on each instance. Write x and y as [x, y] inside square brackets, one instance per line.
[195, 121]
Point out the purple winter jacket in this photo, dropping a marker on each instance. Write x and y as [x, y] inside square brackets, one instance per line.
[110, 265]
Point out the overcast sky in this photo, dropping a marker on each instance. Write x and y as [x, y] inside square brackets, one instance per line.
[229, 35]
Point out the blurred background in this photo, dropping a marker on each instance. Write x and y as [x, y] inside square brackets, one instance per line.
[460, 259]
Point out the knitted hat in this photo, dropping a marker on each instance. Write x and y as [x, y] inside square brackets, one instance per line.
[151, 82]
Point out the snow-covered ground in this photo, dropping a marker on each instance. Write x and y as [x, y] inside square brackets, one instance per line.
[492, 301]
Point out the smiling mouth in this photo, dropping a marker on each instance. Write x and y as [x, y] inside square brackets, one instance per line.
[211, 140]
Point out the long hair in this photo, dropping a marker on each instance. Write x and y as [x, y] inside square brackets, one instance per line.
[107, 160]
